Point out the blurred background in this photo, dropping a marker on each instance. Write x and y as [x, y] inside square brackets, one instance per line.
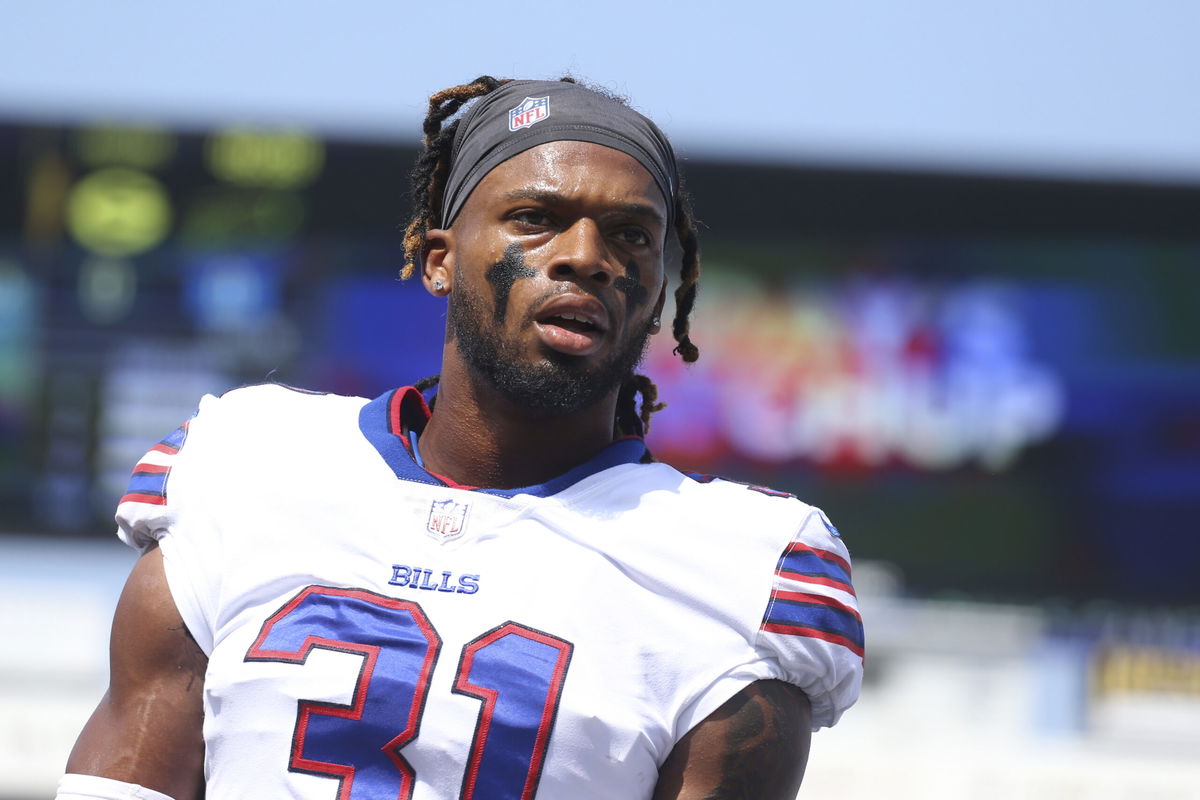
[951, 295]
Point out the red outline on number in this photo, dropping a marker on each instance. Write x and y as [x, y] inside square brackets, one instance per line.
[488, 696]
[370, 653]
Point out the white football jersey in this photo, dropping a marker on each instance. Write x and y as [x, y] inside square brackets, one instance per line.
[375, 631]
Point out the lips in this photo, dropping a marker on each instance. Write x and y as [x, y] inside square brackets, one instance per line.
[572, 324]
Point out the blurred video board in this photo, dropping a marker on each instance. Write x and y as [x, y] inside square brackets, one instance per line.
[995, 405]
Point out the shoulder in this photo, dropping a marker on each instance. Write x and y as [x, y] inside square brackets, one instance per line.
[704, 495]
[258, 424]
[810, 627]
[266, 429]
[799, 538]
[276, 397]
[269, 410]
[749, 516]
[735, 488]
[784, 570]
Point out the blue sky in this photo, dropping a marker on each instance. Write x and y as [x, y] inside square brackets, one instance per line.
[1061, 87]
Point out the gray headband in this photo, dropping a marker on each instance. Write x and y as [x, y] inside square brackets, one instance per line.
[520, 115]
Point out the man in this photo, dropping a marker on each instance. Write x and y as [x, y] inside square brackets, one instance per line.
[501, 597]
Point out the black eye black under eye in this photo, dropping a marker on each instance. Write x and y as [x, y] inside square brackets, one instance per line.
[630, 284]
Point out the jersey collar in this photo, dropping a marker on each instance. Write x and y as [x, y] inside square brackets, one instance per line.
[386, 421]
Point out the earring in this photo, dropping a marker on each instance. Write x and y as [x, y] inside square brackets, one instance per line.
[437, 285]
[656, 322]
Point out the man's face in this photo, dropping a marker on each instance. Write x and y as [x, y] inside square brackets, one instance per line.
[555, 270]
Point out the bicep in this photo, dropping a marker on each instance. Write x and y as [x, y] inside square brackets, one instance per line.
[147, 728]
[754, 746]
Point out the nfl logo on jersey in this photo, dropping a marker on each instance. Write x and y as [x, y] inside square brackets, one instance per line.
[446, 519]
[531, 111]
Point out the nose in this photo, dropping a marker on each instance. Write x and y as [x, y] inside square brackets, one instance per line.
[580, 253]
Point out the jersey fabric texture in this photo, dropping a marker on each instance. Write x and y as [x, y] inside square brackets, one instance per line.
[374, 630]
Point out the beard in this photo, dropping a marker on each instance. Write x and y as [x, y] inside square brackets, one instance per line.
[559, 384]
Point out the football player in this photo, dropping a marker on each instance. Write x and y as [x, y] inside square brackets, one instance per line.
[492, 591]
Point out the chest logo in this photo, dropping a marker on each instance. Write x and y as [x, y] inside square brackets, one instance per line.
[447, 519]
[531, 111]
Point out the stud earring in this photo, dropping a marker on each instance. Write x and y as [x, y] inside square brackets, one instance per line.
[437, 285]
[656, 322]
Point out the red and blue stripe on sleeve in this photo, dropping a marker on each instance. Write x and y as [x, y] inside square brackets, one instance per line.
[813, 596]
[148, 483]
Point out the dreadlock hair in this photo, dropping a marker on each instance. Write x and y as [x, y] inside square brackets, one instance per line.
[428, 179]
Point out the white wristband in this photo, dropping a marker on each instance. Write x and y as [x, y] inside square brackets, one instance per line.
[90, 787]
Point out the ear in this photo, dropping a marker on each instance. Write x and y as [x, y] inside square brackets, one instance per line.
[658, 307]
[437, 262]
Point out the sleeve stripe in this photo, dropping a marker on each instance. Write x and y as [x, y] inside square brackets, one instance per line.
[148, 483]
[806, 583]
[817, 578]
[811, 565]
[149, 479]
[173, 441]
[800, 605]
[805, 616]
[818, 599]
[814, 633]
[800, 549]
[143, 497]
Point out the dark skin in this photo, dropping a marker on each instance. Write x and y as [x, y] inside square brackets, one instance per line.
[147, 728]
[581, 223]
[577, 235]
[754, 746]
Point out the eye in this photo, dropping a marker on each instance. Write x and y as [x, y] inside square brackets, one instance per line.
[634, 235]
[532, 218]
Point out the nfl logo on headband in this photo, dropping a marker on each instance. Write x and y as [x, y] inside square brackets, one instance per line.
[531, 111]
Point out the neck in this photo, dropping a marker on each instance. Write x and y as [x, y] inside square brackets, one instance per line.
[479, 437]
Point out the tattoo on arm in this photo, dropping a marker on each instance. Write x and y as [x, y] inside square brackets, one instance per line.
[752, 748]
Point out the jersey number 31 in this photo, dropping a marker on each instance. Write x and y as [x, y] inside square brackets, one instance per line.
[515, 672]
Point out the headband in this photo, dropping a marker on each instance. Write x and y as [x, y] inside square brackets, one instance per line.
[520, 115]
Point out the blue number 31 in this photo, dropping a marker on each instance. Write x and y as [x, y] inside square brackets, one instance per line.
[516, 672]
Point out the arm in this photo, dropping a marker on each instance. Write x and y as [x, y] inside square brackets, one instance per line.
[147, 728]
[754, 747]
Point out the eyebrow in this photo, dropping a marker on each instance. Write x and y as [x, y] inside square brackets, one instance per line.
[551, 198]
